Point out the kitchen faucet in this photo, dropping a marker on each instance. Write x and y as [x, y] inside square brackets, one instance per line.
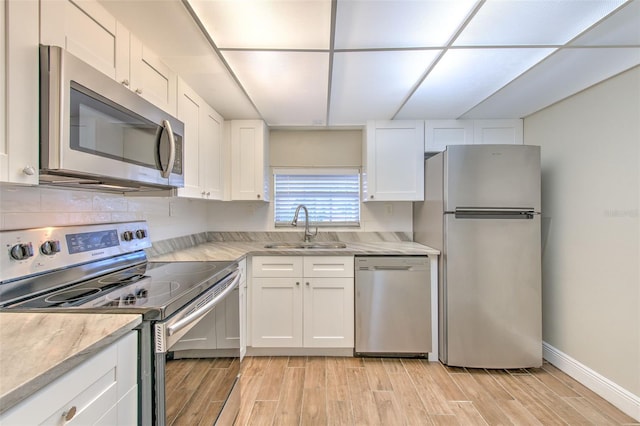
[307, 235]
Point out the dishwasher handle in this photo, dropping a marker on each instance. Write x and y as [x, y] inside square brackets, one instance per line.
[390, 268]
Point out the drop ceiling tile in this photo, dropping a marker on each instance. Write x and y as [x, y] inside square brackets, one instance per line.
[622, 28]
[211, 80]
[561, 75]
[532, 22]
[266, 24]
[373, 85]
[288, 88]
[465, 77]
[399, 23]
[160, 14]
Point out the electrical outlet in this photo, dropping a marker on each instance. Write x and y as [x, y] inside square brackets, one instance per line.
[388, 208]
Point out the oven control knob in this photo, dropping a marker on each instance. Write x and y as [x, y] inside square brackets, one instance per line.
[141, 233]
[50, 247]
[142, 293]
[21, 251]
[127, 235]
[129, 300]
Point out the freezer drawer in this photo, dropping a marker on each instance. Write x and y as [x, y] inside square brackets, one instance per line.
[492, 292]
[393, 306]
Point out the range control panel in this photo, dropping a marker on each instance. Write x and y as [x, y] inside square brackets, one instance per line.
[28, 252]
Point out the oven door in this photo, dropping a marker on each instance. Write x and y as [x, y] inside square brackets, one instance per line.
[201, 386]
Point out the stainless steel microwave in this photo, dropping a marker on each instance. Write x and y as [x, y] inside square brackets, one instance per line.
[97, 134]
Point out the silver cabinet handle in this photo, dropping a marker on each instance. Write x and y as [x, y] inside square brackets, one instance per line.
[172, 152]
[125, 82]
[139, 91]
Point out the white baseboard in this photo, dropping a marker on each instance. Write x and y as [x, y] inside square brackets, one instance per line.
[612, 392]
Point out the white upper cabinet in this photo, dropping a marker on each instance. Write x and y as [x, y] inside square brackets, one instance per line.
[498, 132]
[249, 160]
[393, 161]
[189, 105]
[88, 31]
[440, 133]
[150, 77]
[203, 146]
[84, 29]
[211, 161]
[19, 97]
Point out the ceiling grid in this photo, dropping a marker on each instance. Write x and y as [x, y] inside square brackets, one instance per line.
[339, 63]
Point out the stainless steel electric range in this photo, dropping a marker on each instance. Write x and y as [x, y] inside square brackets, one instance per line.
[104, 268]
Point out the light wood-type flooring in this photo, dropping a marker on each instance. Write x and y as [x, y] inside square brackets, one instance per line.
[389, 391]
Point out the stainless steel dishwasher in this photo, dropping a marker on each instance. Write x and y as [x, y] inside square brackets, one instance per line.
[393, 306]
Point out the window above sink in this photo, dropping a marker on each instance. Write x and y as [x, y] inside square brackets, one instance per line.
[332, 195]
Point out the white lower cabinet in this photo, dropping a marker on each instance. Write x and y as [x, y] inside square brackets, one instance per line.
[101, 391]
[302, 301]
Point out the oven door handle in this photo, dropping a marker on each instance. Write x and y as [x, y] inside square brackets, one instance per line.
[205, 309]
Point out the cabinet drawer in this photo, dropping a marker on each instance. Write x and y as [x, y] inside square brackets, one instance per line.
[328, 266]
[276, 266]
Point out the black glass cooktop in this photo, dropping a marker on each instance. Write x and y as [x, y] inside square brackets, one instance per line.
[151, 285]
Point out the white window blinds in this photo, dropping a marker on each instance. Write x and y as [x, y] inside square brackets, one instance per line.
[332, 196]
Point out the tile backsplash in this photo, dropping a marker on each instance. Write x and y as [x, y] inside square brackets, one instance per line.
[168, 217]
[32, 207]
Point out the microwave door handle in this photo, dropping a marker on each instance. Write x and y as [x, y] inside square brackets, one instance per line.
[172, 151]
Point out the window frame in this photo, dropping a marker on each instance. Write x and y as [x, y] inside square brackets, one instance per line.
[317, 171]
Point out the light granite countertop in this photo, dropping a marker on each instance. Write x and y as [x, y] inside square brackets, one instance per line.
[230, 251]
[37, 348]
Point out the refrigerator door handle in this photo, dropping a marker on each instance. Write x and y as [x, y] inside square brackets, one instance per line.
[494, 213]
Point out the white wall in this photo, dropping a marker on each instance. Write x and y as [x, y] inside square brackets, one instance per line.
[30, 207]
[591, 233]
[257, 216]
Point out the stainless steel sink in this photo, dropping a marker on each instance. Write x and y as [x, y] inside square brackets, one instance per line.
[302, 245]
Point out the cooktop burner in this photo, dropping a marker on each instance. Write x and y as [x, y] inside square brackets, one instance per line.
[151, 285]
[71, 295]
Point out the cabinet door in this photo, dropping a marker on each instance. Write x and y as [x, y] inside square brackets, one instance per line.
[211, 153]
[276, 312]
[498, 132]
[19, 96]
[189, 106]
[328, 312]
[151, 78]
[85, 29]
[249, 160]
[440, 133]
[394, 161]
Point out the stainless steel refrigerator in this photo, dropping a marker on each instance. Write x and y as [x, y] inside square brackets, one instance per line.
[482, 211]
